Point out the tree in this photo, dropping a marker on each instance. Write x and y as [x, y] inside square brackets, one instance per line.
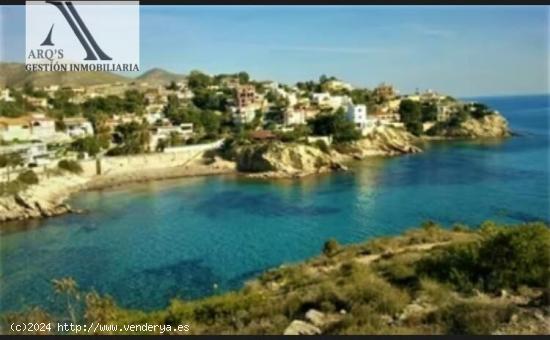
[10, 161]
[90, 145]
[411, 116]
[11, 109]
[336, 125]
[161, 145]
[62, 105]
[458, 118]
[197, 79]
[68, 287]
[429, 111]
[360, 96]
[28, 88]
[28, 177]
[172, 107]
[480, 110]
[244, 78]
[102, 131]
[132, 138]
[331, 247]
[134, 101]
[173, 86]
[299, 132]
[208, 100]
[210, 122]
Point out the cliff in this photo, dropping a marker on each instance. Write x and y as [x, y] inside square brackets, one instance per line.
[285, 160]
[45, 199]
[384, 141]
[490, 126]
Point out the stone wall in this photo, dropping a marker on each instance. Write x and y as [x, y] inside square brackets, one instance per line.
[123, 164]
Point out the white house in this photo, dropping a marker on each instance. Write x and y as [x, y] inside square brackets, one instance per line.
[37, 102]
[42, 127]
[78, 127]
[294, 117]
[155, 118]
[163, 132]
[35, 127]
[6, 96]
[244, 115]
[33, 154]
[338, 85]
[357, 114]
[324, 99]
[320, 98]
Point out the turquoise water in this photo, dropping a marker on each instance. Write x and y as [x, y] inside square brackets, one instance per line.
[149, 242]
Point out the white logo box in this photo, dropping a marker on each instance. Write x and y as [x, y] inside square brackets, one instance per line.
[101, 35]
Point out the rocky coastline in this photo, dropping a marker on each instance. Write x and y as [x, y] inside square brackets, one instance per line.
[46, 199]
[270, 160]
[49, 197]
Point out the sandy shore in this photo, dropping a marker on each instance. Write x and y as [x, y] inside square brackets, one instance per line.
[196, 168]
[49, 197]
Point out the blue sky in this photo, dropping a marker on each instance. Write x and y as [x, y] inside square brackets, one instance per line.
[461, 50]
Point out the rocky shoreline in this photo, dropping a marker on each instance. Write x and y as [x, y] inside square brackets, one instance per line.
[269, 160]
[46, 199]
[49, 197]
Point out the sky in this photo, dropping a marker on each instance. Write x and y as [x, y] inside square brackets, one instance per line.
[459, 50]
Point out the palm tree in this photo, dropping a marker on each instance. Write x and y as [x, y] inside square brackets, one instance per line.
[144, 136]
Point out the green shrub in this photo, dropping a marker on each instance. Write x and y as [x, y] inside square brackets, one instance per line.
[459, 227]
[11, 188]
[504, 258]
[322, 145]
[399, 269]
[331, 247]
[70, 165]
[473, 317]
[28, 177]
[435, 292]
[366, 287]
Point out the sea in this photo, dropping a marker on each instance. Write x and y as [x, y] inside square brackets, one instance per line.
[145, 244]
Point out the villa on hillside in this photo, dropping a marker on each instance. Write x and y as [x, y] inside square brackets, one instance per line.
[33, 154]
[336, 85]
[30, 127]
[293, 116]
[247, 103]
[78, 127]
[36, 102]
[326, 101]
[357, 114]
[165, 132]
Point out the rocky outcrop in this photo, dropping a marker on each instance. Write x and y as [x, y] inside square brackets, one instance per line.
[45, 199]
[315, 322]
[299, 327]
[384, 141]
[285, 160]
[490, 126]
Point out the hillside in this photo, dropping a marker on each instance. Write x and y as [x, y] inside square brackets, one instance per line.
[158, 76]
[427, 281]
[15, 75]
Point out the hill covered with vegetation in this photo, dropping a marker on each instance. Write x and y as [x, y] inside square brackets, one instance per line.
[15, 75]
